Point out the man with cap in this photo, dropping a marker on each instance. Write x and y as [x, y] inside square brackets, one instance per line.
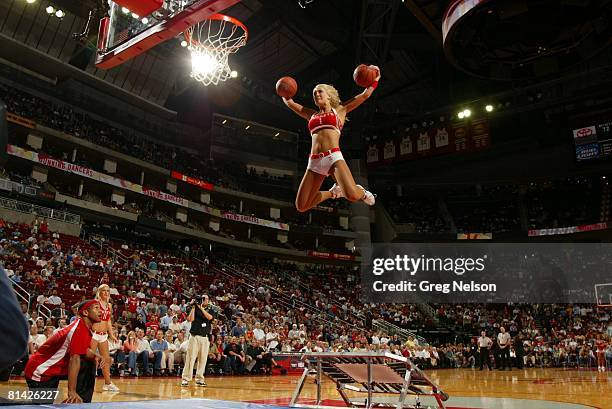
[67, 354]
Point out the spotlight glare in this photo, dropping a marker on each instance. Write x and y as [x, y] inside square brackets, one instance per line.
[467, 113]
[50, 10]
[461, 115]
[202, 63]
[184, 43]
[489, 108]
[234, 74]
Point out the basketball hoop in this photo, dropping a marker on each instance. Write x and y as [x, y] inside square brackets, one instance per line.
[210, 43]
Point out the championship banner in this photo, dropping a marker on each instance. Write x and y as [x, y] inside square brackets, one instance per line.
[333, 256]
[474, 236]
[462, 136]
[124, 184]
[459, 136]
[192, 181]
[19, 120]
[567, 230]
[479, 138]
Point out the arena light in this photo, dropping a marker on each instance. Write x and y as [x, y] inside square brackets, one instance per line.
[224, 121]
[184, 43]
[145, 20]
[135, 16]
[234, 74]
[489, 108]
[278, 133]
[60, 14]
[125, 10]
[247, 127]
[203, 63]
[30, 1]
[467, 113]
[50, 10]
[460, 115]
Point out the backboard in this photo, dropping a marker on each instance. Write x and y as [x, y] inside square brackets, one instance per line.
[603, 295]
[124, 34]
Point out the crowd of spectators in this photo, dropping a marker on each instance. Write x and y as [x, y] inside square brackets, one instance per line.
[497, 208]
[564, 202]
[80, 124]
[422, 212]
[266, 309]
[165, 213]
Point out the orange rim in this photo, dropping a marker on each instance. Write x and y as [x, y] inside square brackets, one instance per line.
[220, 17]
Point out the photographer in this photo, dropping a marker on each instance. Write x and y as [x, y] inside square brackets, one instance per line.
[201, 315]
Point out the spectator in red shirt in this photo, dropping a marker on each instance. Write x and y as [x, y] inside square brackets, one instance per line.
[44, 227]
[60, 357]
[132, 304]
[153, 324]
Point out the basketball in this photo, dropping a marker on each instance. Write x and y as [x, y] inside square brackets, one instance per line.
[364, 76]
[286, 87]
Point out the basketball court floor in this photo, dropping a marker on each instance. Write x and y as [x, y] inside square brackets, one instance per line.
[468, 389]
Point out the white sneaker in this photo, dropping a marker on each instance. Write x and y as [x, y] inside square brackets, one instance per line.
[336, 191]
[369, 198]
[184, 383]
[111, 387]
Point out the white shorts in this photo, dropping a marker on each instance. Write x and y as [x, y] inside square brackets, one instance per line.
[100, 337]
[323, 163]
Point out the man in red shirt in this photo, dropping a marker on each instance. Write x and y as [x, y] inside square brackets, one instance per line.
[60, 357]
[153, 324]
[132, 304]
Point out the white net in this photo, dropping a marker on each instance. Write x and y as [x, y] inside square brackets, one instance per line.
[210, 43]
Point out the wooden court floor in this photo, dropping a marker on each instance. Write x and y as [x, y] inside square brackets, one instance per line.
[590, 388]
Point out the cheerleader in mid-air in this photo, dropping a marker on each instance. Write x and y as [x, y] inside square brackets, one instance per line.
[325, 126]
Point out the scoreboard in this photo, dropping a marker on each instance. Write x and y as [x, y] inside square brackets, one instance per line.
[593, 142]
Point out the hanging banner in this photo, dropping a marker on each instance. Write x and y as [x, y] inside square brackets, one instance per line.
[124, 184]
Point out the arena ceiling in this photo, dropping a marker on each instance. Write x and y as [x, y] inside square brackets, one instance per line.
[311, 40]
[320, 42]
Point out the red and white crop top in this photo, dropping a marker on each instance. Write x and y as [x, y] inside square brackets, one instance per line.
[326, 120]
